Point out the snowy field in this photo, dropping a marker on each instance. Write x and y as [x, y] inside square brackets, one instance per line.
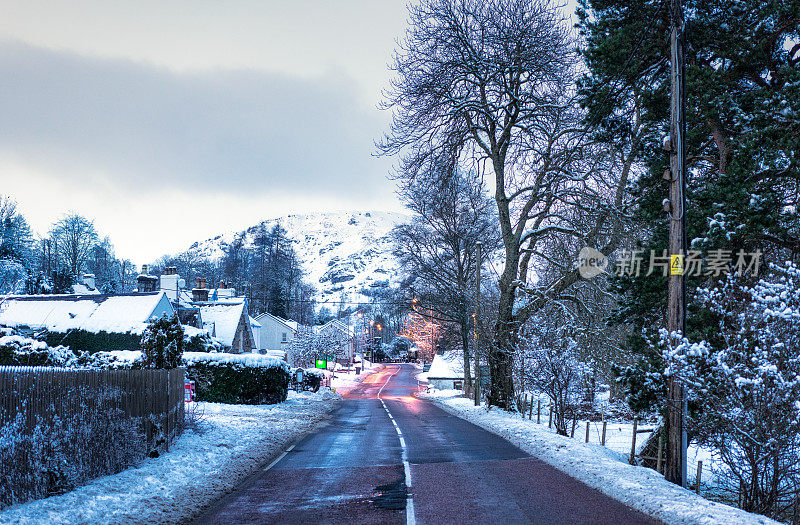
[230, 443]
[600, 467]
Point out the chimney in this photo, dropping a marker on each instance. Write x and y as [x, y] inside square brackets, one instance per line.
[144, 270]
[200, 294]
[225, 291]
[147, 282]
[168, 282]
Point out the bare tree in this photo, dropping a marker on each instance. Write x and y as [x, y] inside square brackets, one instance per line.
[437, 248]
[492, 82]
[74, 237]
[551, 363]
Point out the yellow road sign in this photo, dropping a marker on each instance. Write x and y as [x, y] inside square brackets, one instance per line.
[676, 264]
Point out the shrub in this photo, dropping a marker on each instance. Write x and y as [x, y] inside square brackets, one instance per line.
[201, 343]
[236, 378]
[162, 343]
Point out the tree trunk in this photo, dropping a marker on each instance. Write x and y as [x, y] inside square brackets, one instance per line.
[501, 365]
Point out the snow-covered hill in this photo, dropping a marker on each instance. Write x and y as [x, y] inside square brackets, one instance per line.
[343, 253]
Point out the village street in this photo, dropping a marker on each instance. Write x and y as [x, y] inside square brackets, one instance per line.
[356, 470]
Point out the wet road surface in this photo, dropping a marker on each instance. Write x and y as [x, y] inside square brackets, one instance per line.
[352, 471]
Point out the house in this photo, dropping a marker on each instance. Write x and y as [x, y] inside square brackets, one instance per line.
[112, 321]
[229, 322]
[275, 333]
[447, 371]
[339, 333]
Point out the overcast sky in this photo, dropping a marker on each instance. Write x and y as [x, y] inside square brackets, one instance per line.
[172, 121]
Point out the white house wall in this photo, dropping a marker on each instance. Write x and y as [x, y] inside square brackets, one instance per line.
[271, 334]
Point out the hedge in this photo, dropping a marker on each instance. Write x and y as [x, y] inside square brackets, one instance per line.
[91, 342]
[239, 379]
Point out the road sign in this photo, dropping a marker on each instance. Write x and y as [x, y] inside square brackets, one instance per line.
[321, 363]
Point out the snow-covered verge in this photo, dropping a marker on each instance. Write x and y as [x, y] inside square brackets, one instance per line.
[230, 443]
[606, 470]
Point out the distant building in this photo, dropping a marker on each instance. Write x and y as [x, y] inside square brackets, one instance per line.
[275, 333]
[447, 371]
[340, 333]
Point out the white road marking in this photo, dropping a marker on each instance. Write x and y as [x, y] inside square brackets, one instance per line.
[275, 461]
[410, 518]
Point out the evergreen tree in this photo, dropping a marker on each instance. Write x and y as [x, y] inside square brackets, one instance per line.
[15, 234]
[743, 139]
[162, 343]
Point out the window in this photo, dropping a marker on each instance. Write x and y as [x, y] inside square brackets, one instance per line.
[283, 339]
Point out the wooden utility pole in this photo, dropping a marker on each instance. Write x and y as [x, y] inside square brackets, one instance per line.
[675, 468]
[477, 389]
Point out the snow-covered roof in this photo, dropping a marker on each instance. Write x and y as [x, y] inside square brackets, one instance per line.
[122, 313]
[93, 313]
[289, 324]
[449, 365]
[254, 323]
[336, 324]
[225, 318]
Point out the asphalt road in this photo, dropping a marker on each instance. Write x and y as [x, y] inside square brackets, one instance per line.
[352, 471]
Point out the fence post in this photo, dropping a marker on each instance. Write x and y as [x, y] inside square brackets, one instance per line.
[169, 407]
[587, 430]
[697, 480]
[524, 405]
[633, 443]
[660, 451]
[538, 411]
[603, 439]
[550, 419]
[574, 421]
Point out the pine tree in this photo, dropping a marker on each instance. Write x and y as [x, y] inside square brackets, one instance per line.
[743, 140]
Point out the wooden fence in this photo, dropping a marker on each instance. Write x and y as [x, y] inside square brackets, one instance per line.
[39, 400]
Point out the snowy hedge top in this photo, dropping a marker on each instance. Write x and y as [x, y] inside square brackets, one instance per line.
[19, 342]
[249, 360]
[315, 372]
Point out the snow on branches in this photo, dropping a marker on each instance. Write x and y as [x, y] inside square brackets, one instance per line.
[745, 382]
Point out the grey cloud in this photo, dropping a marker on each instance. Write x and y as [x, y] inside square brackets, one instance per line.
[144, 126]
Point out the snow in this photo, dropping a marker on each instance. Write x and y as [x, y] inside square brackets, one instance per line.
[447, 366]
[344, 382]
[232, 442]
[55, 315]
[343, 253]
[599, 467]
[250, 359]
[122, 313]
[189, 358]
